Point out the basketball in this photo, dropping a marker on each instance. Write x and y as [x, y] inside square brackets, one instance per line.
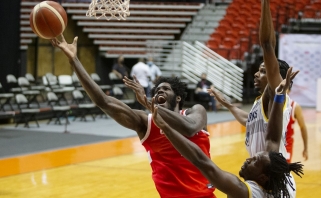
[48, 19]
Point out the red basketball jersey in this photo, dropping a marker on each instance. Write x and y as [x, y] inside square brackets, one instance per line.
[290, 133]
[173, 175]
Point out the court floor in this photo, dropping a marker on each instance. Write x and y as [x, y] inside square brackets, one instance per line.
[125, 171]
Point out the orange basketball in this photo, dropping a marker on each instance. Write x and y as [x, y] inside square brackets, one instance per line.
[48, 19]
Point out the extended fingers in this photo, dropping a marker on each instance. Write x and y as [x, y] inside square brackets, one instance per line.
[129, 81]
[75, 40]
[287, 78]
[154, 109]
[293, 75]
[54, 42]
[147, 102]
[155, 112]
[153, 105]
[130, 86]
[62, 38]
[288, 73]
[126, 80]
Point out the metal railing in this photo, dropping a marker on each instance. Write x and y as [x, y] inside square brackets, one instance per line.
[189, 61]
[226, 77]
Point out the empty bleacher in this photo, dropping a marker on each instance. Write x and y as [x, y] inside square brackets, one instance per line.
[238, 30]
[147, 21]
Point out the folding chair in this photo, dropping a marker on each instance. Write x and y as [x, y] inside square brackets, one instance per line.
[34, 85]
[115, 80]
[13, 84]
[118, 93]
[51, 81]
[58, 111]
[6, 97]
[30, 94]
[84, 108]
[25, 114]
[66, 86]
[30, 78]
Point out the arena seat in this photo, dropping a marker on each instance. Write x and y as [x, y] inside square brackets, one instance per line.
[242, 18]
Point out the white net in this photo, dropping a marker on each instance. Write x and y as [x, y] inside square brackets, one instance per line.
[118, 9]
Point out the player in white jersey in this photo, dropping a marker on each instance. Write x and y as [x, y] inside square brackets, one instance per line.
[270, 74]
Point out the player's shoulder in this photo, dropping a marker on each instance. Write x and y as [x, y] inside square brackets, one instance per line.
[195, 109]
[258, 98]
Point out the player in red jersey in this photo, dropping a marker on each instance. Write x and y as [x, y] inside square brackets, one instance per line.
[296, 115]
[173, 175]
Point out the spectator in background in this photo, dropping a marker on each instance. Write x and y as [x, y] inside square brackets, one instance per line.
[142, 73]
[120, 69]
[155, 74]
[202, 94]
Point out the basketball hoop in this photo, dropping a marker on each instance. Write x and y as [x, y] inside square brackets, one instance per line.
[118, 9]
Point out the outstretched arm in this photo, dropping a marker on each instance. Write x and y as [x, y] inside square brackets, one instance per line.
[268, 42]
[275, 124]
[222, 180]
[299, 117]
[239, 114]
[123, 114]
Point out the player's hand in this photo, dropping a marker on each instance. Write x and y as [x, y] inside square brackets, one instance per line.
[158, 120]
[305, 154]
[139, 91]
[69, 49]
[218, 96]
[285, 84]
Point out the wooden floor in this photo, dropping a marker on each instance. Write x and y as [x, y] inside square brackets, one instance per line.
[129, 175]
